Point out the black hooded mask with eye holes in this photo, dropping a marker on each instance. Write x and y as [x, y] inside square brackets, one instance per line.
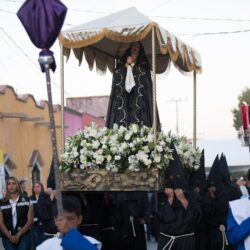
[215, 177]
[174, 174]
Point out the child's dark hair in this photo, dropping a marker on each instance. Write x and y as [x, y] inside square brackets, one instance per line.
[71, 204]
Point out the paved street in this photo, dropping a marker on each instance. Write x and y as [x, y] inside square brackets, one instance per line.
[151, 245]
[1, 245]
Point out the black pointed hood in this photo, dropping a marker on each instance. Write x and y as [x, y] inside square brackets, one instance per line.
[214, 178]
[224, 169]
[51, 181]
[174, 174]
[198, 179]
[248, 174]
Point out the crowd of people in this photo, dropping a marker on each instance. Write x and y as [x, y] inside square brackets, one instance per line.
[191, 211]
[195, 213]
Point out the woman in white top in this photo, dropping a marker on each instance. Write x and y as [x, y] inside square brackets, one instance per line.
[16, 218]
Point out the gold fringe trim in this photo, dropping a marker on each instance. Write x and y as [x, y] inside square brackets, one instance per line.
[164, 49]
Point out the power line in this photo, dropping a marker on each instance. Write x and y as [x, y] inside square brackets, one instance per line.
[90, 11]
[27, 56]
[214, 33]
[7, 11]
[161, 4]
[17, 46]
[203, 18]
[12, 1]
[177, 101]
[184, 18]
[156, 16]
[172, 17]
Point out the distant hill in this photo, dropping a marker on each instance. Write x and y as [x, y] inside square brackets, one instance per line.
[235, 153]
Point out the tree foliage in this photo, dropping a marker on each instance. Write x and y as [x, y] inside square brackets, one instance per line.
[237, 117]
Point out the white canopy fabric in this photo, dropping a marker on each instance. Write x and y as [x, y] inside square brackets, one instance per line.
[104, 40]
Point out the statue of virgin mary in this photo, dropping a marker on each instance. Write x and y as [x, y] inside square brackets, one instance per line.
[131, 99]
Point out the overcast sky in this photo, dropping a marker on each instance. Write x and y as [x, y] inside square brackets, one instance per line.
[218, 30]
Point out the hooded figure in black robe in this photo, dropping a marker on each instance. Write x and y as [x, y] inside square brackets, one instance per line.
[131, 214]
[215, 209]
[131, 98]
[179, 210]
[248, 180]
[232, 190]
[46, 204]
[198, 183]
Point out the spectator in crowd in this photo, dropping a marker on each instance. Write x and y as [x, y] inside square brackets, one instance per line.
[46, 203]
[248, 181]
[23, 186]
[36, 229]
[242, 185]
[16, 217]
[238, 223]
[67, 223]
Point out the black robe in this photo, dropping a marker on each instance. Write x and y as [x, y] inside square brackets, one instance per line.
[131, 208]
[134, 107]
[215, 213]
[175, 220]
[45, 210]
[91, 212]
[199, 233]
[107, 227]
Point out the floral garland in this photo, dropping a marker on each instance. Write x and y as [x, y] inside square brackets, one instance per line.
[121, 148]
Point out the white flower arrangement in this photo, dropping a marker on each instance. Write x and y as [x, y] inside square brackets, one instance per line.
[121, 148]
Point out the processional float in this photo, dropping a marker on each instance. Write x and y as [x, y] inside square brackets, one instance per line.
[102, 42]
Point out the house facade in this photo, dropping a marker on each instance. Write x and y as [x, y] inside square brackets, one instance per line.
[25, 133]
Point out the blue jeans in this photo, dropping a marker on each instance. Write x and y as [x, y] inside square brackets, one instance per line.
[36, 235]
[23, 244]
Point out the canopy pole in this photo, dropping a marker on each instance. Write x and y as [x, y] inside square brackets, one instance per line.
[154, 86]
[62, 97]
[154, 104]
[194, 111]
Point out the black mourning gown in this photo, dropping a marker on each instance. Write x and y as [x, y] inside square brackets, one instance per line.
[134, 107]
[175, 221]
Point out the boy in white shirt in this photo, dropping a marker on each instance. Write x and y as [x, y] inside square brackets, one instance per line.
[69, 238]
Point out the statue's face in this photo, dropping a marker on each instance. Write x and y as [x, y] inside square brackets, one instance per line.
[135, 47]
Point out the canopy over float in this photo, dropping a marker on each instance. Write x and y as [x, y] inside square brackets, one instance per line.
[105, 39]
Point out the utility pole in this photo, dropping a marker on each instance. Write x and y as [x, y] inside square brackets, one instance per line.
[177, 101]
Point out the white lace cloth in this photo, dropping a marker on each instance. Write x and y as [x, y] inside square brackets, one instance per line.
[130, 81]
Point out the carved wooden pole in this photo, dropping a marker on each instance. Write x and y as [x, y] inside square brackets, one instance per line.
[46, 61]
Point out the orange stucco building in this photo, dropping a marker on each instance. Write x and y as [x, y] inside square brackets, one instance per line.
[25, 135]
